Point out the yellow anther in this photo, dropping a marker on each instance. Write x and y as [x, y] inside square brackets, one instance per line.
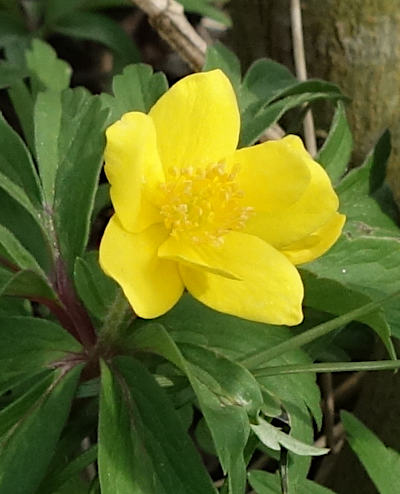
[203, 204]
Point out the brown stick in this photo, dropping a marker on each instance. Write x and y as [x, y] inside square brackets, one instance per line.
[168, 18]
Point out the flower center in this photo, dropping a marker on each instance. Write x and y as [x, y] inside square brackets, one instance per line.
[203, 204]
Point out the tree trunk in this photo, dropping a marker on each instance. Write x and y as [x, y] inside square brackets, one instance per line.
[353, 43]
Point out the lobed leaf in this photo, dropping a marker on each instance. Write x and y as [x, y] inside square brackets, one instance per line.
[136, 89]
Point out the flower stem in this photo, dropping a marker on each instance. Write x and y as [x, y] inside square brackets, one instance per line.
[115, 318]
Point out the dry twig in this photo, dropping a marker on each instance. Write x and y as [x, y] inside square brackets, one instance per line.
[301, 71]
[168, 18]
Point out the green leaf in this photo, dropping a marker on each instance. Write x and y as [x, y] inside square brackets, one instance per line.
[97, 290]
[23, 105]
[223, 409]
[256, 120]
[28, 284]
[381, 463]
[218, 56]
[232, 383]
[19, 216]
[47, 122]
[274, 438]
[136, 89]
[237, 339]
[143, 446]
[73, 469]
[20, 471]
[16, 163]
[206, 8]
[10, 74]
[15, 411]
[11, 26]
[80, 151]
[268, 483]
[57, 9]
[104, 4]
[100, 28]
[30, 345]
[102, 200]
[316, 332]
[191, 322]
[335, 154]
[264, 81]
[16, 252]
[337, 298]
[47, 71]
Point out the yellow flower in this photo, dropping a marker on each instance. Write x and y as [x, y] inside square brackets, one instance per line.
[193, 212]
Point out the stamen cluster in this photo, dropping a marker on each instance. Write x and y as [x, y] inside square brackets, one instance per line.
[203, 204]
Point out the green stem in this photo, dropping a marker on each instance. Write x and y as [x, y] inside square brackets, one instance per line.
[254, 360]
[114, 319]
[327, 367]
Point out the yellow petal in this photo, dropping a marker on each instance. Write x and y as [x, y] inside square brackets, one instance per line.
[272, 175]
[203, 256]
[269, 289]
[316, 244]
[151, 285]
[314, 208]
[197, 121]
[133, 169]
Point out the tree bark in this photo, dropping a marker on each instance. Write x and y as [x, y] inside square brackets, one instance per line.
[353, 43]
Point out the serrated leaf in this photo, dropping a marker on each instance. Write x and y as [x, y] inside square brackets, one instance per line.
[335, 154]
[30, 345]
[274, 438]
[218, 56]
[136, 89]
[47, 71]
[143, 447]
[381, 463]
[80, 151]
[100, 28]
[20, 471]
